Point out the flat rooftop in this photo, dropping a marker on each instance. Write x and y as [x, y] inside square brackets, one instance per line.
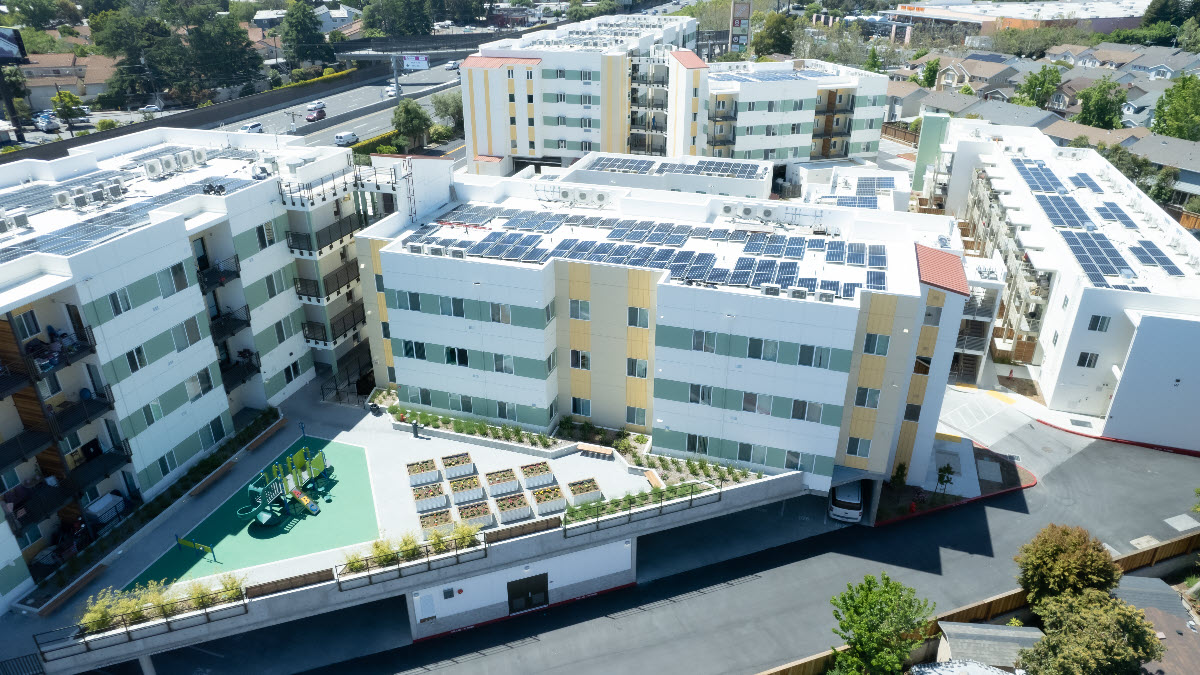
[1042, 11]
[727, 77]
[866, 188]
[686, 166]
[599, 35]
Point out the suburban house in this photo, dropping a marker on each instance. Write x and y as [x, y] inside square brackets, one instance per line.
[1010, 114]
[1173, 624]
[950, 102]
[904, 100]
[1150, 61]
[268, 18]
[1063, 132]
[1175, 152]
[336, 19]
[46, 74]
[974, 73]
[1164, 63]
[267, 47]
[1138, 109]
[1065, 99]
[995, 646]
[1068, 53]
[1108, 55]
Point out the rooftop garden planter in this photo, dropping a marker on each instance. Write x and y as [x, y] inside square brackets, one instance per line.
[513, 507]
[478, 514]
[502, 482]
[537, 475]
[549, 500]
[466, 489]
[423, 472]
[458, 465]
[430, 497]
[584, 491]
[438, 521]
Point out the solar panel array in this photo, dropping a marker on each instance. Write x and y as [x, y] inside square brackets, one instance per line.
[1063, 211]
[1038, 176]
[1113, 211]
[621, 165]
[1097, 256]
[1084, 180]
[709, 167]
[1153, 252]
[768, 76]
[867, 185]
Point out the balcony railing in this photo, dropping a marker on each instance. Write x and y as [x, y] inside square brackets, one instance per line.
[648, 129]
[41, 502]
[971, 343]
[326, 236]
[218, 274]
[228, 324]
[236, 373]
[836, 110]
[315, 331]
[649, 80]
[65, 349]
[21, 447]
[347, 320]
[12, 379]
[830, 133]
[341, 277]
[308, 289]
[99, 467]
[722, 115]
[73, 415]
[979, 309]
[645, 103]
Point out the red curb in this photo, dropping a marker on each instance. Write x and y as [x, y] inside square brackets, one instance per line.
[560, 603]
[1151, 446]
[965, 501]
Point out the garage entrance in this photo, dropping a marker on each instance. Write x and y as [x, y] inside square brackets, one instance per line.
[528, 593]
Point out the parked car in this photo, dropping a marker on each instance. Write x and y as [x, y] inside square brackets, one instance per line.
[46, 124]
[150, 109]
[251, 128]
[318, 114]
[345, 138]
[846, 503]
[316, 105]
[452, 65]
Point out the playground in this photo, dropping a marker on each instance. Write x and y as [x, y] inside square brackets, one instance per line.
[314, 497]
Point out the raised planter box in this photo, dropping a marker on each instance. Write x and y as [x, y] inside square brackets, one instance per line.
[502, 482]
[549, 500]
[466, 489]
[438, 521]
[423, 473]
[513, 508]
[458, 465]
[430, 497]
[479, 515]
[584, 491]
[537, 474]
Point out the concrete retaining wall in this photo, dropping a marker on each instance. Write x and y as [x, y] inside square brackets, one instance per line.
[497, 444]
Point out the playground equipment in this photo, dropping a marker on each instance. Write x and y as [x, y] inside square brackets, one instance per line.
[272, 489]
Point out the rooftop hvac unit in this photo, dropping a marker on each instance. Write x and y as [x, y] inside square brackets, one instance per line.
[96, 195]
[18, 219]
[766, 213]
[184, 159]
[119, 182]
[583, 196]
[601, 197]
[153, 168]
[62, 199]
[416, 248]
[458, 252]
[80, 201]
[435, 250]
[200, 156]
[825, 296]
[770, 289]
[746, 212]
[168, 164]
[76, 191]
[799, 293]
[727, 210]
[564, 194]
[114, 192]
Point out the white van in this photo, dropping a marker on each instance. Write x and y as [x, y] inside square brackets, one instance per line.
[345, 138]
[846, 503]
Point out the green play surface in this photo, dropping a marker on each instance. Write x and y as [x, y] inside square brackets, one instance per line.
[347, 517]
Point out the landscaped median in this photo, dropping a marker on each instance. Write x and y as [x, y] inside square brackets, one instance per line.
[447, 543]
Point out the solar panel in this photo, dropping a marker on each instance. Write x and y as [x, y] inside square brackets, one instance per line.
[620, 254]
[718, 275]
[738, 235]
[636, 235]
[1140, 289]
[795, 248]
[856, 253]
[876, 281]
[700, 266]
[516, 252]
[877, 256]
[530, 240]
[1038, 176]
[764, 273]
[564, 246]
[756, 243]
[786, 276]
[858, 202]
[1143, 257]
[641, 256]
[828, 285]
[1084, 180]
[816, 244]
[835, 252]
[480, 247]
[1063, 211]
[849, 290]
[492, 237]
[536, 255]
[582, 251]
[678, 270]
[719, 235]
[701, 232]
[618, 233]
[1118, 214]
[807, 282]
[621, 165]
[602, 251]
[683, 257]
[742, 271]
[775, 245]
[676, 240]
[497, 250]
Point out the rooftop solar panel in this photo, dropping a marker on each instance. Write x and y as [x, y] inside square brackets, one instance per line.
[756, 243]
[835, 252]
[675, 240]
[775, 245]
[678, 270]
[718, 275]
[536, 255]
[618, 233]
[740, 277]
[764, 273]
[738, 235]
[809, 283]
[850, 289]
[795, 248]
[641, 256]
[876, 281]
[582, 251]
[497, 251]
[815, 244]
[601, 251]
[698, 271]
[719, 235]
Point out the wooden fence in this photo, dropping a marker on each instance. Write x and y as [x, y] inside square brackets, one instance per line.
[900, 134]
[990, 608]
[522, 529]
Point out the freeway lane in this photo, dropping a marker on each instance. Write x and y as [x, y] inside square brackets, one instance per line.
[366, 126]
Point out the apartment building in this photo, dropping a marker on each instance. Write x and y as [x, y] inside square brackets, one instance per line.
[811, 337]
[1102, 295]
[631, 84]
[159, 290]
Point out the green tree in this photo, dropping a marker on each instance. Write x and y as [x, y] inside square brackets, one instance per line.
[67, 14]
[223, 53]
[930, 72]
[881, 621]
[811, 9]
[521, 3]
[38, 14]
[66, 106]
[399, 17]
[1135, 167]
[1162, 11]
[1177, 112]
[41, 42]
[15, 90]
[448, 105]
[151, 56]
[775, 37]
[919, 53]
[1189, 35]
[336, 36]
[966, 89]
[1100, 104]
[731, 56]
[91, 7]
[301, 35]
[915, 126]
[1038, 87]
[1163, 186]
[1064, 559]
[1080, 141]
[106, 124]
[873, 64]
[411, 121]
[1091, 632]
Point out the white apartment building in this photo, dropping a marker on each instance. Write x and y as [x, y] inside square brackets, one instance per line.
[1102, 295]
[631, 84]
[159, 289]
[779, 336]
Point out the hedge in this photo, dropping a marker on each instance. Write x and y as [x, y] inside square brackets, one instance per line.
[323, 78]
[368, 146]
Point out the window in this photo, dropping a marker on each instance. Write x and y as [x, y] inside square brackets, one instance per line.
[749, 402]
[9, 480]
[414, 350]
[697, 444]
[704, 341]
[452, 306]
[562, 144]
[921, 365]
[280, 334]
[560, 98]
[529, 74]
[933, 315]
[511, 74]
[549, 311]
[635, 416]
[799, 409]
[275, 283]
[585, 146]
[185, 334]
[414, 302]
[198, 385]
[912, 412]
[1065, 301]
[700, 393]
[562, 121]
[858, 447]
[745, 452]
[581, 309]
[266, 235]
[28, 536]
[767, 350]
[502, 364]
[581, 360]
[1054, 340]
[512, 121]
[49, 385]
[791, 460]
[1087, 359]
[635, 368]
[866, 398]
[586, 76]
[639, 317]
[586, 99]
[532, 146]
[529, 98]
[759, 403]
[816, 357]
[585, 122]
[461, 403]
[1098, 323]
[514, 144]
[172, 280]
[501, 313]
[456, 356]
[152, 412]
[291, 372]
[512, 98]
[837, 122]
[26, 325]
[796, 129]
[560, 74]
[136, 358]
[119, 300]
[581, 406]
[876, 344]
[167, 463]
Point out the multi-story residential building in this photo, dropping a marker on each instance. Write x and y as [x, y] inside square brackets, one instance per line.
[152, 306]
[631, 84]
[812, 337]
[1102, 293]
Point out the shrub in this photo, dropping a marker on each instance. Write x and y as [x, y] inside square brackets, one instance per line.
[393, 409]
[759, 474]
[386, 150]
[83, 132]
[446, 421]
[637, 459]
[463, 535]
[105, 125]
[298, 75]
[355, 563]
[328, 71]
[440, 133]
[623, 446]
[458, 426]
[899, 476]
[438, 542]
[231, 586]
[199, 595]
[640, 439]
[409, 548]
[544, 440]
[246, 90]
[10, 148]
[1064, 559]
[384, 552]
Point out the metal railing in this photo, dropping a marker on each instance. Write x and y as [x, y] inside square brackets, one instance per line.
[347, 320]
[643, 103]
[830, 133]
[44, 499]
[43, 359]
[328, 235]
[308, 288]
[327, 187]
[343, 276]
[26, 664]
[971, 343]
[86, 637]
[236, 373]
[647, 79]
[597, 516]
[228, 324]
[722, 116]
[979, 309]
[74, 414]
[314, 330]
[21, 447]
[99, 467]
[407, 561]
[220, 273]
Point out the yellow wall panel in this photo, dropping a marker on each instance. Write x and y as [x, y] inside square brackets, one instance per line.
[862, 423]
[883, 304]
[870, 371]
[916, 389]
[383, 310]
[387, 353]
[859, 463]
[637, 341]
[512, 84]
[904, 444]
[376, 245]
[581, 335]
[926, 342]
[580, 278]
[635, 392]
[935, 298]
[581, 384]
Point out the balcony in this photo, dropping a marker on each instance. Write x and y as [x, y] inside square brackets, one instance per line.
[647, 104]
[217, 275]
[315, 331]
[830, 133]
[648, 80]
[326, 237]
[228, 324]
[648, 129]
[339, 326]
[978, 308]
[73, 415]
[21, 447]
[331, 284]
[236, 373]
[64, 350]
[100, 467]
[33, 505]
[12, 380]
[971, 343]
[837, 110]
[722, 115]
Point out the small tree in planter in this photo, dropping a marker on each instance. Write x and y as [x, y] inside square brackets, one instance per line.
[463, 535]
[410, 549]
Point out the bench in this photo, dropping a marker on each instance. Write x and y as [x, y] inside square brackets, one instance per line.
[655, 481]
[71, 590]
[597, 451]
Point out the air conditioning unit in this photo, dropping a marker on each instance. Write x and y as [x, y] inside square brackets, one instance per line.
[435, 250]
[119, 182]
[564, 194]
[746, 212]
[458, 252]
[62, 199]
[825, 296]
[416, 248]
[766, 212]
[799, 293]
[154, 168]
[17, 219]
[601, 197]
[114, 192]
[200, 156]
[96, 195]
[184, 159]
[770, 289]
[80, 201]
[583, 196]
[168, 164]
[76, 191]
[727, 210]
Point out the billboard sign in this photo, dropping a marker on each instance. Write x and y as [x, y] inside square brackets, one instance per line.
[739, 25]
[415, 62]
[12, 48]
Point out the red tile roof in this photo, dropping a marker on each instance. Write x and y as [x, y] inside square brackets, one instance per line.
[941, 269]
[688, 59]
[497, 62]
